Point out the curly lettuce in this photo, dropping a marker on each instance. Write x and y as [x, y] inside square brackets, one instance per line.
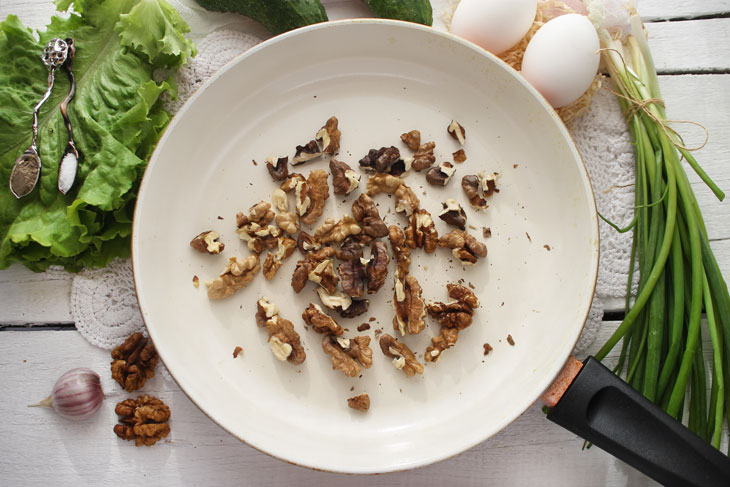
[122, 46]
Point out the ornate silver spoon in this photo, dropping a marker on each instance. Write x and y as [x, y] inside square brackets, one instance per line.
[70, 158]
[27, 167]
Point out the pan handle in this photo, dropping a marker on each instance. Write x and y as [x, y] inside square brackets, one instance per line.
[609, 413]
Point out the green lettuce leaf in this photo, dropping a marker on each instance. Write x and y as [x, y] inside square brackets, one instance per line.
[117, 116]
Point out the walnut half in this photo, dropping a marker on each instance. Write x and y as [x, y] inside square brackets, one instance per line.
[403, 358]
[284, 341]
[410, 309]
[320, 321]
[453, 317]
[421, 232]
[275, 260]
[348, 355]
[144, 420]
[133, 362]
[359, 403]
[207, 242]
[236, 275]
[329, 136]
[335, 231]
[344, 179]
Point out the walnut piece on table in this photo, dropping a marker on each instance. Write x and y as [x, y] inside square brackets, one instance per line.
[329, 136]
[453, 214]
[401, 252]
[236, 275]
[306, 152]
[377, 267]
[464, 246]
[410, 309]
[349, 250]
[470, 185]
[453, 317]
[334, 231]
[317, 192]
[383, 183]
[275, 260]
[284, 341]
[280, 200]
[288, 222]
[320, 321]
[403, 358]
[255, 230]
[348, 355]
[380, 160]
[366, 214]
[278, 168]
[440, 175]
[421, 232]
[353, 278]
[459, 156]
[344, 179]
[133, 362]
[406, 200]
[456, 131]
[143, 420]
[424, 158]
[207, 243]
[316, 267]
[357, 307]
[412, 139]
[306, 243]
[359, 403]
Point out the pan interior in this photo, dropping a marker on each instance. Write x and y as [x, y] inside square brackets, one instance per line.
[380, 79]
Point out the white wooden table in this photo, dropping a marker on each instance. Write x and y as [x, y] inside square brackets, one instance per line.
[691, 45]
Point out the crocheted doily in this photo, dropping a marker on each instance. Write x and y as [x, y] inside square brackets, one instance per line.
[103, 302]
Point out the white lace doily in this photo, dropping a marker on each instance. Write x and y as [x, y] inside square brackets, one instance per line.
[103, 302]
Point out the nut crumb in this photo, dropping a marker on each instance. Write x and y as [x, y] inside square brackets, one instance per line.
[487, 348]
[459, 156]
[237, 351]
[254, 162]
[196, 282]
[372, 318]
[360, 403]
[363, 327]
[547, 247]
[515, 165]
[471, 286]
[220, 217]
[510, 340]
[486, 232]
[528, 237]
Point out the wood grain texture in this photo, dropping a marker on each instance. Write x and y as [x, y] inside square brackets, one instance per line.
[653, 10]
[27, 297]
[690, 46]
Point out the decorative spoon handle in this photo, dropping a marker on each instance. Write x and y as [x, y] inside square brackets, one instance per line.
[70, 158]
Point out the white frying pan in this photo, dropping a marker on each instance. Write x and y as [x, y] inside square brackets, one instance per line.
[380, 78]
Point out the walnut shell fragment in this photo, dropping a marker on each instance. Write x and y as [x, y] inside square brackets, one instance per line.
[320, 321]
[278, 168]
[275, 260]
[284, 341]
[344, 179]
[441, 174]
[403, 358]
[133, 362]
[410, 309]
[412, 139]
[453, 214]
[464, 246]
[236, 275]
[421, 232]
[359, 403]
[457, 131]
[207, 243]
[348, 355]
[306, 153]
[143, 420]
[329, 136]
[453, 317]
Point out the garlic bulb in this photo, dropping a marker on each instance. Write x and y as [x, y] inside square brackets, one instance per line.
[77, 394]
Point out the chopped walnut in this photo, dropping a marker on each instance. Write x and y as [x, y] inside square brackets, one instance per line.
[453, 316]
[421, 232]
[377, 267]
[329, 136]
[412, 139]
[488, 183]
[359, 403]
[401, 252]
[346, 353]
[424, 158]
[275, 260]
[380, 160]
[353, 278]
[278, 168]
[470, 185]
[288, 222]
[320, 321]
[236, 275]
[457, 131]
[459, 156]
[196, 282]
[133, 362]
[336, 300]
[335, 231]
[453, 214]
[410, 309]
[237, 351]
[254, 228]
[402, 356]
[406, 200]
[284, 341]
[366, 214]
[306, 153]
[401, 166]
[207, 242]
[317, 192]
[349, 250]
[259, 213]
[291, 182]
[383, 183]
[323, 274]
[464, 246]
[279, 200]
[143, 420]
[344, 179]
[440, 175]
[356, 308]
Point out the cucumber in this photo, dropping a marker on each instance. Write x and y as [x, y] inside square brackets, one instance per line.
[418, 11]
[276, 15]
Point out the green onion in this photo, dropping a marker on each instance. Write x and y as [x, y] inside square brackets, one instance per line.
[661, 352]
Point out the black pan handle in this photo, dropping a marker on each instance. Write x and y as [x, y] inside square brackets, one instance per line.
[609, 413]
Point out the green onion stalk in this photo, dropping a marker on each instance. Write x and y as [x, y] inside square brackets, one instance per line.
[661, 351]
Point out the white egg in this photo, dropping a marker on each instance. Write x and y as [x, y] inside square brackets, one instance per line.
[562, 58]
[495, 25]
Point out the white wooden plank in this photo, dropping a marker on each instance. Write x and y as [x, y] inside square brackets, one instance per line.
[28, 297]
[46, 448]
[690, 46]
[652, 10]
